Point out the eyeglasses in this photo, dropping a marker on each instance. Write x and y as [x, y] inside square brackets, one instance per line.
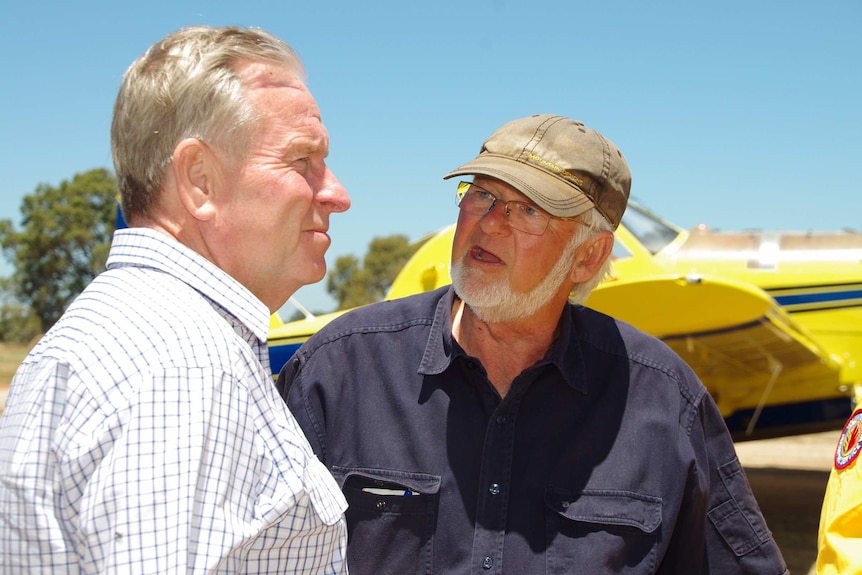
[521, 216]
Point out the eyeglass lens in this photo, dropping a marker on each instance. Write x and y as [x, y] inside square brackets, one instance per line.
[521, 215]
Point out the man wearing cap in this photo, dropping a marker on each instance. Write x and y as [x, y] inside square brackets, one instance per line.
[497, 425]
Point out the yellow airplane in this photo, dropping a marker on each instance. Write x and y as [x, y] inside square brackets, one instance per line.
[770, 321]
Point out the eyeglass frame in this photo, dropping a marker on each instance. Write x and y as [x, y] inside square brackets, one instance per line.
[547, 217]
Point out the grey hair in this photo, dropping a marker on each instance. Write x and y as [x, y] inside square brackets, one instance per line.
[592, 224]
[185, 86]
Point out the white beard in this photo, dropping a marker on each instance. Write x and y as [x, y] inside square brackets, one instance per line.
[495, 302]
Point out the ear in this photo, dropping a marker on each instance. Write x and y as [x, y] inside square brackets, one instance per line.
[591, 256]
[196, 170]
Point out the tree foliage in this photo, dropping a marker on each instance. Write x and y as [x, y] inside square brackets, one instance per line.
[352, 284]
[18, 324]
[63, 241]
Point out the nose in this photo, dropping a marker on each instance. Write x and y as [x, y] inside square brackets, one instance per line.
[491, 224]
[333, 194]
[495, 203]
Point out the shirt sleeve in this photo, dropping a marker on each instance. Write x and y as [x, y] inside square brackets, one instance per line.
[737, 539]
[31, 532]
[839, 541]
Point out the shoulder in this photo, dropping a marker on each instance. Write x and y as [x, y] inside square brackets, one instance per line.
[146, 316]
[148, 298]
[641, 352]
[617, 337]
[383, 318]
[390, 337]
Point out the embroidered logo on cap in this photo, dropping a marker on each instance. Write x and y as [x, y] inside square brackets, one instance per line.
[850, 442]
[557, 169]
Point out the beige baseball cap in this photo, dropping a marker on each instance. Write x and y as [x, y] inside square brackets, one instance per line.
[563, 166]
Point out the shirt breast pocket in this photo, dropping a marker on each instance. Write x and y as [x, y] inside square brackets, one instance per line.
[390, 519]
[601, 531]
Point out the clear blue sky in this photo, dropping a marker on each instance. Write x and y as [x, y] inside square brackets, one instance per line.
[736, 114]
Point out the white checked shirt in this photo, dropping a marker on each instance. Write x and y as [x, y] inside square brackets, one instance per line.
[143, 434]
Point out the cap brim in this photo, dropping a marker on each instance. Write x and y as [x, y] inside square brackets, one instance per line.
[546, 190]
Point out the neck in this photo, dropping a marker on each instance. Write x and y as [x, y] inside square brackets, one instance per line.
[505, 348]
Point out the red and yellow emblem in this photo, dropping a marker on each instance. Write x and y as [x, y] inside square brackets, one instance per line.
[850, 442]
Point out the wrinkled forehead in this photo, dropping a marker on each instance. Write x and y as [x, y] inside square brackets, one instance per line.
[275, 91]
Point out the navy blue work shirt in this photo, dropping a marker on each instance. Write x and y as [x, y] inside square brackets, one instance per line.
[607, 456]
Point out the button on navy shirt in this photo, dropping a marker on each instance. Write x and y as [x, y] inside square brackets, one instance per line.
[608, 456]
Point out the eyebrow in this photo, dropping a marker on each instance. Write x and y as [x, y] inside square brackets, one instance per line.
[525, 199]
[306, 143]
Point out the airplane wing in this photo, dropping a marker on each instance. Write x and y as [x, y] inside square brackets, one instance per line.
[746, 350]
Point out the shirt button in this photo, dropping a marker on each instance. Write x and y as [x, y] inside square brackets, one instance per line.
[487, 563]
[501, 419]
[381, 505]
[494, 489]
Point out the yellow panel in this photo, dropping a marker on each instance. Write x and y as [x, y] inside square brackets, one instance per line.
[428, 269]
[672, 305]
[742, 345]
[299, 330]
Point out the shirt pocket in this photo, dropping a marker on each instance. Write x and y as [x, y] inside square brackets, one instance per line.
[738, 519]
[601, 531]
[390, 519]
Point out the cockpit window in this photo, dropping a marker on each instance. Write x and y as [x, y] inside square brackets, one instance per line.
[650, 230]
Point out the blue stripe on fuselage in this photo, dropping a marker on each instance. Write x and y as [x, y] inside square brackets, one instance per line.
[818, 297]
[280, 354]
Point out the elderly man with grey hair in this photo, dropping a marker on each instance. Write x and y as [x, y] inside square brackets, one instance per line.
[497, 425]
[143, 433]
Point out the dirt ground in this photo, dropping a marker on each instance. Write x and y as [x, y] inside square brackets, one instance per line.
[788, 476]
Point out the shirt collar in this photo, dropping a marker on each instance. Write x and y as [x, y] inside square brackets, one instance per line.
[147, 248]
[440, 348]
[565, 353]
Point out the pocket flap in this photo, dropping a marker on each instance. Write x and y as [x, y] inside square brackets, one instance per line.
[611, 507]
[364, 477]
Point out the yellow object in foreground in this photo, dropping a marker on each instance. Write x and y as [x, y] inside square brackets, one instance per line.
[839, 542]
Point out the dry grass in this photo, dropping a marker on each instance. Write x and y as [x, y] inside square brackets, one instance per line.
[11, 356]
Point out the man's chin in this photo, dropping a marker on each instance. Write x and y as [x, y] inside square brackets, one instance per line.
[305, 272]
[473, 287]
[317, 273]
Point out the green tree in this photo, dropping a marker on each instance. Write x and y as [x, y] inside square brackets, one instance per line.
[352, 284]
[344, 283]
[63, 242]
[18, 324]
